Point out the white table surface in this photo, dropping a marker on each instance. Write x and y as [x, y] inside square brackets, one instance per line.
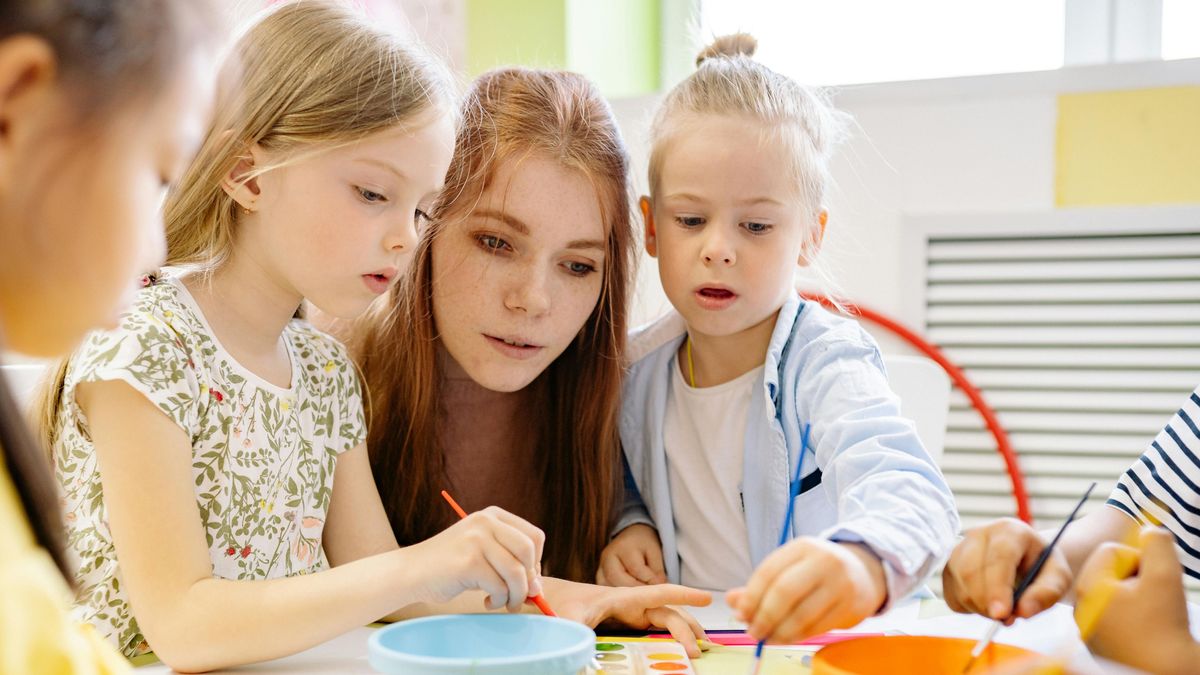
[1052, 632]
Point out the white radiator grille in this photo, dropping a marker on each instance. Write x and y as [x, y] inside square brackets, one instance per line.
[1083, 331]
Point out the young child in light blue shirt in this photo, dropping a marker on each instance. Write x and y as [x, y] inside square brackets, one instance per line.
[718, 395]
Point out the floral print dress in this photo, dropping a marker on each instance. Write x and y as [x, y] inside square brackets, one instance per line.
[263, 456]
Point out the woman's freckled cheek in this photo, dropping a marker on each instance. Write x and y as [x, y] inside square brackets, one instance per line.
[453, 273]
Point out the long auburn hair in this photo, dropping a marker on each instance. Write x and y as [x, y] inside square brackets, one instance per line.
[575, 441]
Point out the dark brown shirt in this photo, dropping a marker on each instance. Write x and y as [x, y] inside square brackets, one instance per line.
[484, 435]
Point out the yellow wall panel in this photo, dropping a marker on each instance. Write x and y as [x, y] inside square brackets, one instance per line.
[1128, 147]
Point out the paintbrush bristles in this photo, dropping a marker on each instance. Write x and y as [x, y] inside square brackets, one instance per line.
[982, 646]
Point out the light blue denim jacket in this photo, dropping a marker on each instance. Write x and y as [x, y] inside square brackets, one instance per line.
[872, 481]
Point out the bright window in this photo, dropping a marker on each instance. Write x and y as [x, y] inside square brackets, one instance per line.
[1180, 29]
[830, 42]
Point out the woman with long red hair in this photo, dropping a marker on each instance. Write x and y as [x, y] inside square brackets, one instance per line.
[494, 368]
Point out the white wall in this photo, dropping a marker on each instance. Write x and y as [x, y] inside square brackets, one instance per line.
[965, 145]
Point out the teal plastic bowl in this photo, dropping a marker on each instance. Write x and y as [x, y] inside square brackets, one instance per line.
[488, 644]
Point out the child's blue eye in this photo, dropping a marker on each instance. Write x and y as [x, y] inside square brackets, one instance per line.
[419, 217]
[689, 221]
[757, 228]
[370, 196]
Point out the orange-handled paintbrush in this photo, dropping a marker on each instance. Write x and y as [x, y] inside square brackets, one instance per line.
[535, 599]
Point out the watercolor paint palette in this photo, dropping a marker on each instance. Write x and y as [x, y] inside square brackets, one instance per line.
[641, 656]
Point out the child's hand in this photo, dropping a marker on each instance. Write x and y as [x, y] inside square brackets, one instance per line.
[810, 586]
[1132, 604]
[632, 558]
[491, 550]
[987, 564]
[639, 608]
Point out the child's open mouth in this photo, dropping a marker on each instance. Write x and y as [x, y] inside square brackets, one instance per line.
[377, 283]
[714, 297]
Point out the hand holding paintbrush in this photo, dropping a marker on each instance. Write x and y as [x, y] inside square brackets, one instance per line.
[1032, 574]
[535, 597]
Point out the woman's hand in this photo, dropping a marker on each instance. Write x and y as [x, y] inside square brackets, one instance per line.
[633, 558]
[810, 586]
[638, 608]
[491, 550]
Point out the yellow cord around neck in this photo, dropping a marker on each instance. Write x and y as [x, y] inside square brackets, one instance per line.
[691, 366]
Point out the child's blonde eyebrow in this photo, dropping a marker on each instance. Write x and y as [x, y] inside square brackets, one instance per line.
[685, 196]
[749, 201]
[755, 201]
[388, 166]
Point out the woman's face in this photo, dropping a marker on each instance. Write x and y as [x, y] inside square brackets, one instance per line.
[80, 212]
[515, 280]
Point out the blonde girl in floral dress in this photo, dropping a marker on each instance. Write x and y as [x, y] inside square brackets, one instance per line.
[209, 450]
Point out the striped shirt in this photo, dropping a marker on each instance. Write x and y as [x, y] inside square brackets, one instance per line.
[1163, 485]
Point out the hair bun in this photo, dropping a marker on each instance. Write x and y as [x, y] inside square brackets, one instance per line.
[729, 46]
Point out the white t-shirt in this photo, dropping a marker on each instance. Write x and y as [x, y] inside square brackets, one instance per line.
[704, 437]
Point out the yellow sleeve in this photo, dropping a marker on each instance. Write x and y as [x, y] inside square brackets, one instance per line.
[37, 634]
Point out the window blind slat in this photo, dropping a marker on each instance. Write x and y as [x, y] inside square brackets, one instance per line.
[1081, 336]
[1078, 401]
[1064, 270]
[1065, 314]
[1148, 423]
[1167, 358]
[990, 465]
[1051, 443]
[1021, 293]
[1173, 381]
[1114, 248]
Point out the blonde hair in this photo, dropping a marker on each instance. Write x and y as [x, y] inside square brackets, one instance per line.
[728, 81]
[309, 76]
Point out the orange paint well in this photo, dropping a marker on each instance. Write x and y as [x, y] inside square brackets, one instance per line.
[915, 655]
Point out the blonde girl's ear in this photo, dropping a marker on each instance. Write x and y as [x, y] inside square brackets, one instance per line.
[647, 209]
[237, 185]
[810, 248]
[28, 78]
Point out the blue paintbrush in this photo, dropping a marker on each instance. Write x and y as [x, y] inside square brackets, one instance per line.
[793, 492]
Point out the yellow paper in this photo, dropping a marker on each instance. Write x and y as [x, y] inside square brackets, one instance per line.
[1128, 147]
[722, 660]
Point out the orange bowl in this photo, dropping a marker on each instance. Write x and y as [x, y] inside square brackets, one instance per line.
[915, 655]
